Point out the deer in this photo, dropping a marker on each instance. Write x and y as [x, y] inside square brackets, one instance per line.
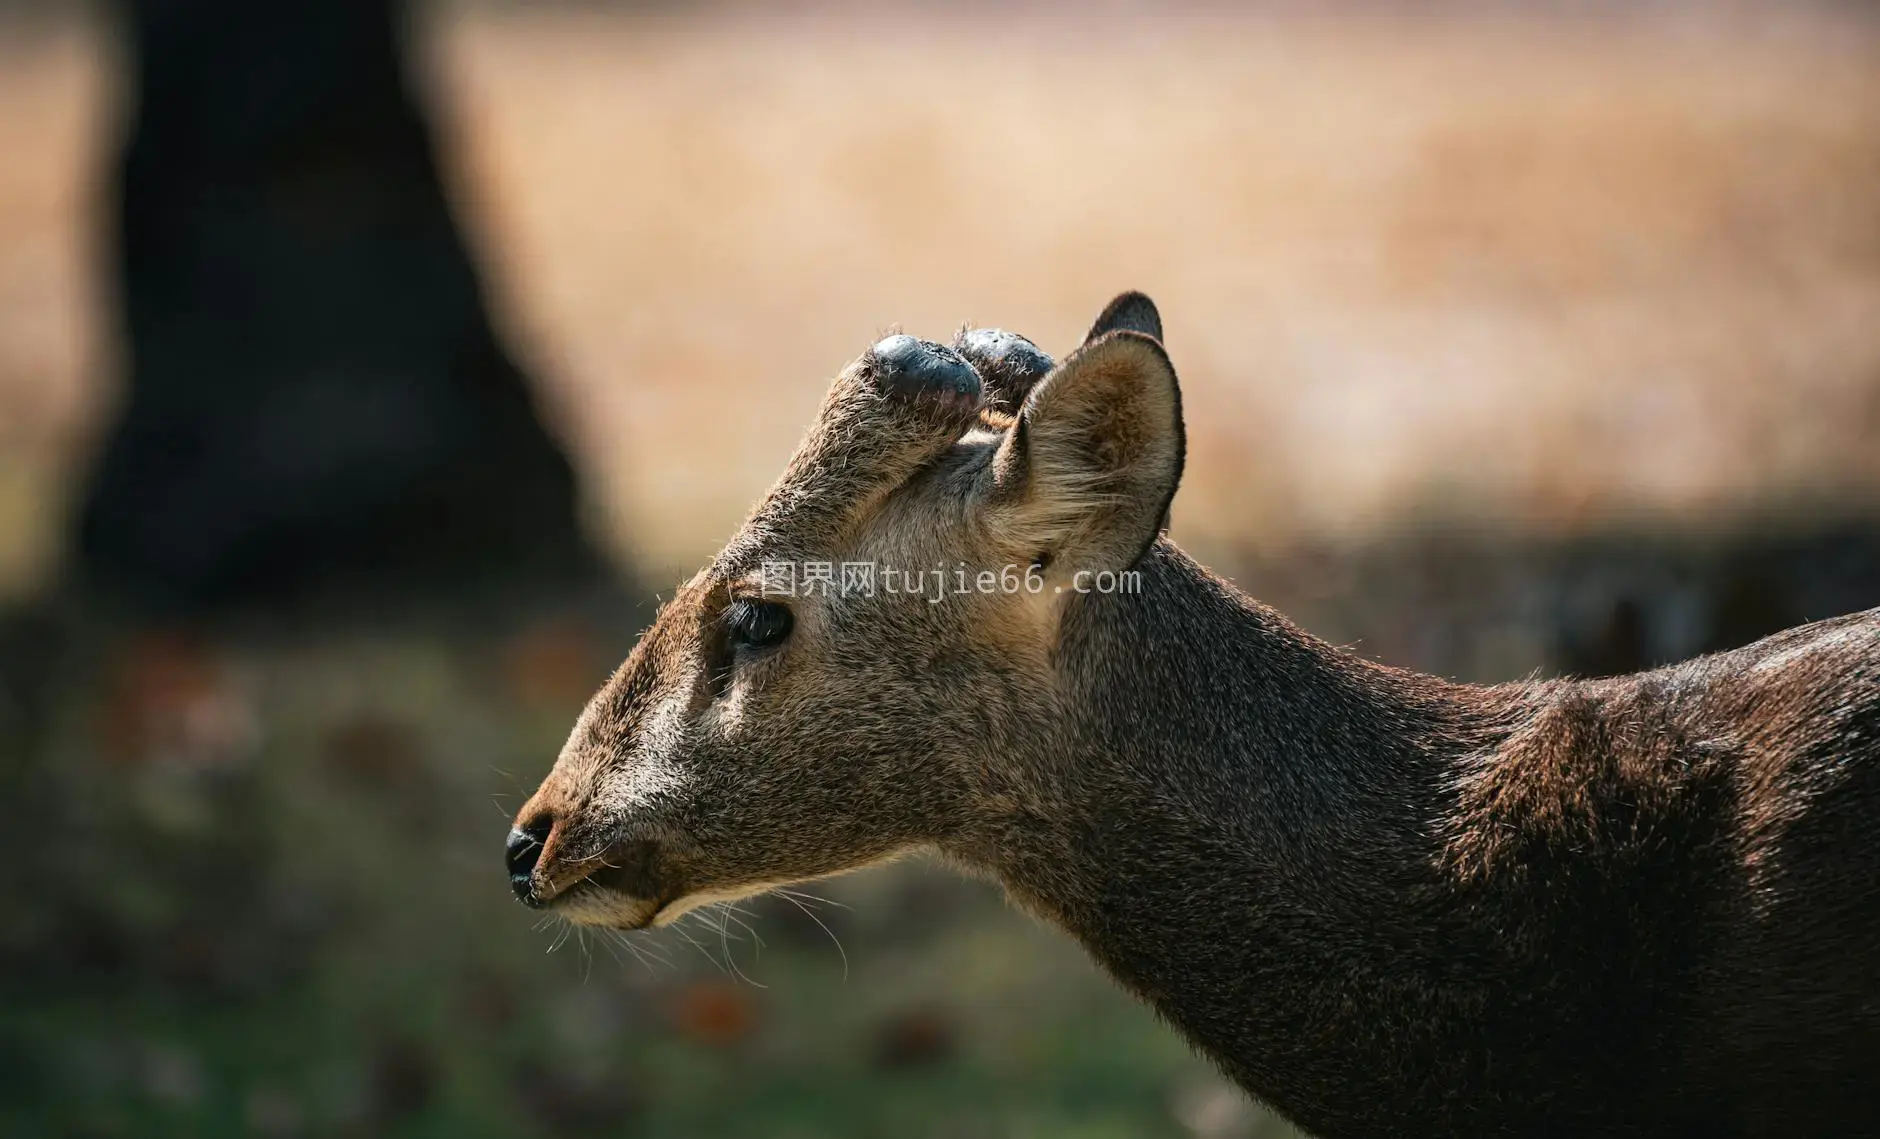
[1382, 902]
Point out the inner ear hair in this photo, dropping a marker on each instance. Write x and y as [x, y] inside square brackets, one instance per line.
[1087, 472]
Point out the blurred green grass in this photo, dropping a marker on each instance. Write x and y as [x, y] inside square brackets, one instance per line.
[265, 900]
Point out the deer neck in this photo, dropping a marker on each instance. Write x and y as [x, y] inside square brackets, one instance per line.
[1238, 820]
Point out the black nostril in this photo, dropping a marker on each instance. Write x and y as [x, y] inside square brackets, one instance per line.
[523, 851]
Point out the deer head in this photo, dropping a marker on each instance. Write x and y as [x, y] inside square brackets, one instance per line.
[946, 510]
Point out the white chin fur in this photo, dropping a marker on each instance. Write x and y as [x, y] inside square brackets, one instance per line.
[606, 908]
[676, 910]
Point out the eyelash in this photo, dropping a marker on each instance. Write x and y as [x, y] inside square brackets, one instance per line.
[757, 624]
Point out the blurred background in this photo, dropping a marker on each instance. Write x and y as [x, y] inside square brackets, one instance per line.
[367, 369]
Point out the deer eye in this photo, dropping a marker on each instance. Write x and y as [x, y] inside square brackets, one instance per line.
[757, 624]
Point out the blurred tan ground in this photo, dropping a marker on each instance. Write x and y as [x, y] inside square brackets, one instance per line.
[1535, 271]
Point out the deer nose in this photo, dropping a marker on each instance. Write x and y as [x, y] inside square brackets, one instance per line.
[522, 852]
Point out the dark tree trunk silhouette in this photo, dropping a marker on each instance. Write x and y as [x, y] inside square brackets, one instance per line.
[316, 396]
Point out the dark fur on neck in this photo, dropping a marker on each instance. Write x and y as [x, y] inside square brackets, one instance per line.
[1390, 904]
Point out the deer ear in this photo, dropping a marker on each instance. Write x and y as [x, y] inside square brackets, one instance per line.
[1132, 312]
[1083, 479]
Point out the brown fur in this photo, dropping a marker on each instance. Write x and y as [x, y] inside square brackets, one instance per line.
[1383, 902]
